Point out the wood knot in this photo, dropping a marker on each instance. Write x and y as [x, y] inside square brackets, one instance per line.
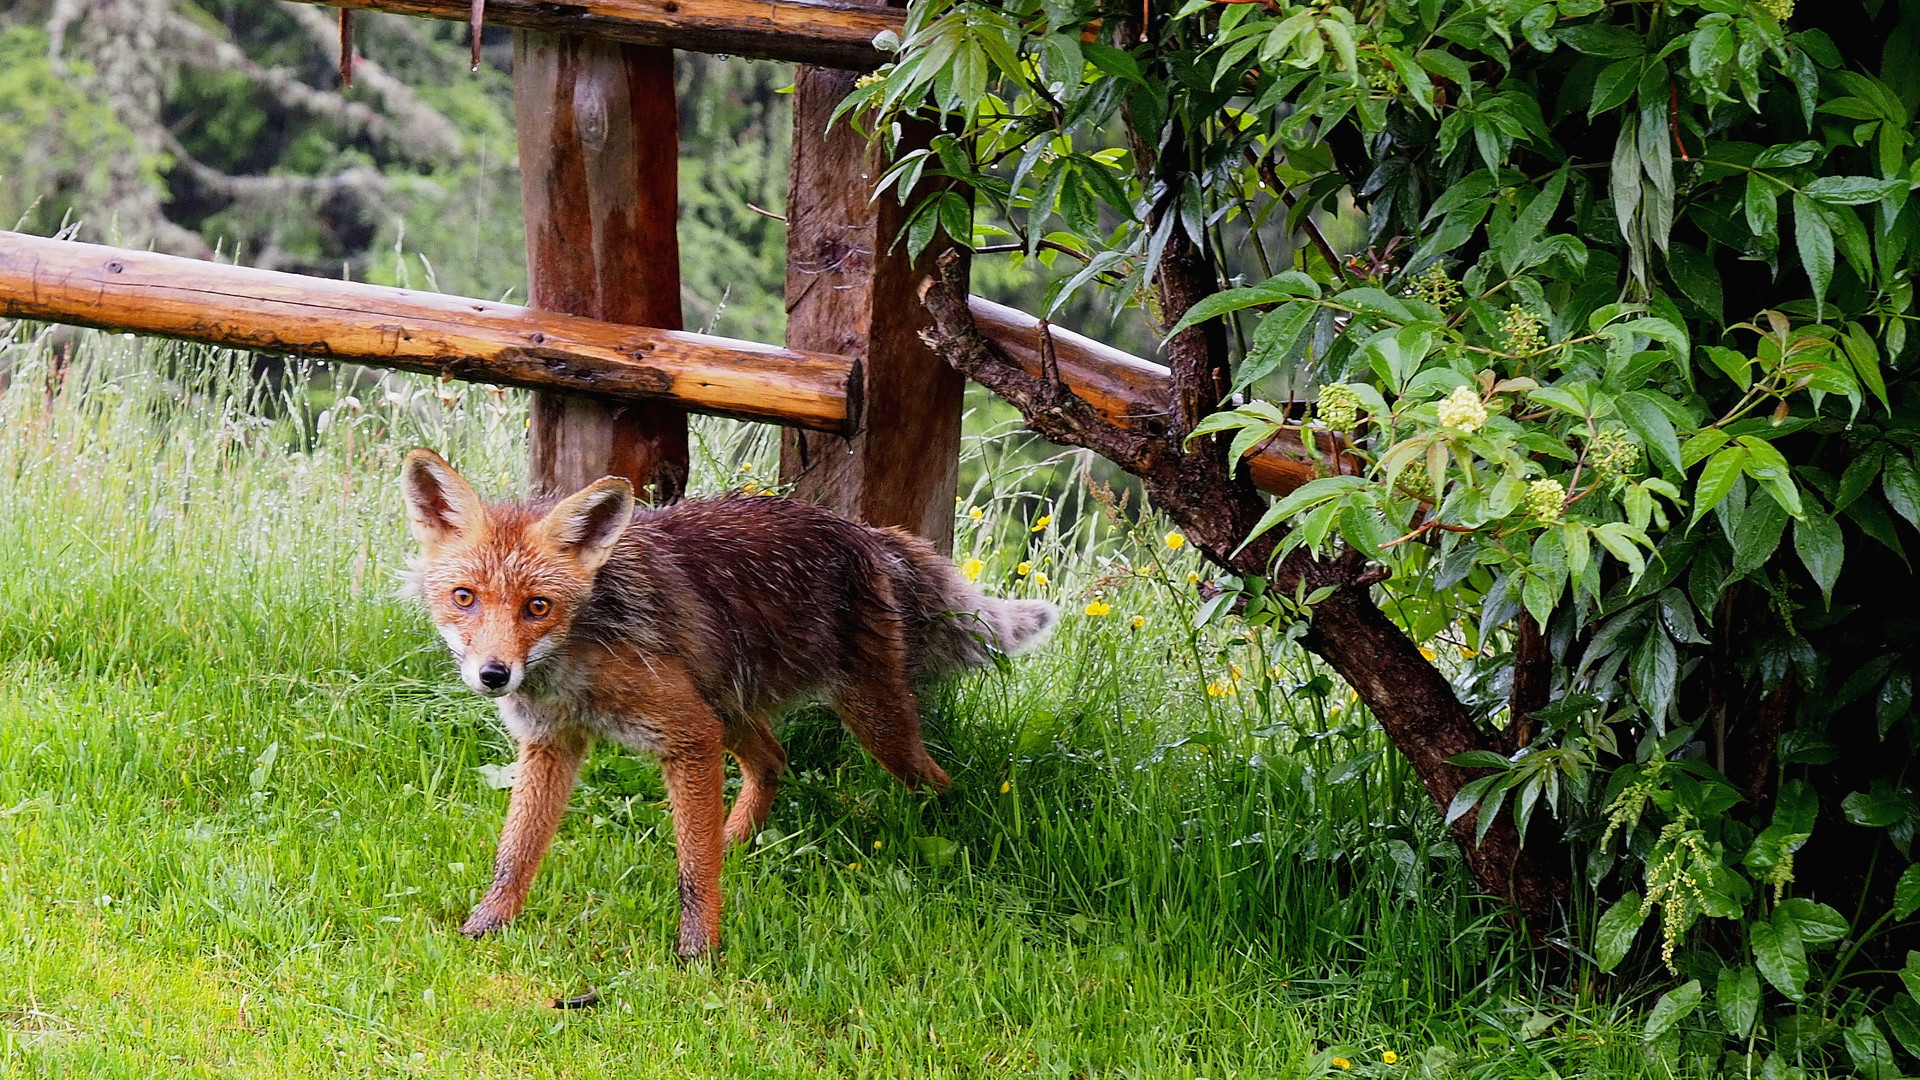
[116, 266]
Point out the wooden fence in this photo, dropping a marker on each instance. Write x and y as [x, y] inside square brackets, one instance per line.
[872, 415]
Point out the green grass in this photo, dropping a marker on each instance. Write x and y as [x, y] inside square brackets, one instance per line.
[244, 803]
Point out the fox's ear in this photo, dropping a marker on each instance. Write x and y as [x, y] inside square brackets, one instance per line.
[588, 523]
[441, 505]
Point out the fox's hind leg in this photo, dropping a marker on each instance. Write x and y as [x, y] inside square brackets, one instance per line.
[878, 706]
[762, 762]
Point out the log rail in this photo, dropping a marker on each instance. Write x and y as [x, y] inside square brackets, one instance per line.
[827, 33]
[455, 337]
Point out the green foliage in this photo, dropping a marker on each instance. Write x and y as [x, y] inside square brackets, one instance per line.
[1628, 352]
[59, 139]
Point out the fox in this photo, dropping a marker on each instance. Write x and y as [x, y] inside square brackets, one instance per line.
[681, 632]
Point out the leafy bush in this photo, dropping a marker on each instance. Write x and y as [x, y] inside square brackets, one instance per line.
[1624, 357]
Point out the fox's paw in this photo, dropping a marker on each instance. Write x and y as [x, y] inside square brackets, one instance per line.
[483, 921]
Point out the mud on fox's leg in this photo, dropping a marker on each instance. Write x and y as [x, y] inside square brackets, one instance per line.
[541, 785]
[762, 762]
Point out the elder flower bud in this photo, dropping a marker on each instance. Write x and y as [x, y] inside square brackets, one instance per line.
[1339, 406]
[1463, 409]
[1546, 499]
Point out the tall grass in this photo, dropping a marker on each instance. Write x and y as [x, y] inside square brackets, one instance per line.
[244, 800]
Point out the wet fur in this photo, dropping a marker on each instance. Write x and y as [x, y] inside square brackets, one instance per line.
[706, 619]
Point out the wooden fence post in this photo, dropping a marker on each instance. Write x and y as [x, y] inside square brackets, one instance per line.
[599, 167]
[851, 291]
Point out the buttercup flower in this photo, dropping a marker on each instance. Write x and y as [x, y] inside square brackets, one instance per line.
[1193, 577]
[1097, 609]
[1137, 621]
[1006, 786]
[1039, 578]
[972, 568]
[1341, 1063]
[1175, 541]
[1463, 409]
[1024, 568]
[1389, 1056]
[1041, 522]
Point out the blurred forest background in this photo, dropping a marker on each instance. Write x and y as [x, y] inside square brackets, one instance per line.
[220, 127]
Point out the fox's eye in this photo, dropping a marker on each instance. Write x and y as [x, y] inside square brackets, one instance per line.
[463, 597]
[539, 606]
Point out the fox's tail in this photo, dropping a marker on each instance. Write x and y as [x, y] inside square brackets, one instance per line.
[958, 626]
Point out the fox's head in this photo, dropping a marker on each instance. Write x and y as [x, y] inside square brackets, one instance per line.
[504, 582]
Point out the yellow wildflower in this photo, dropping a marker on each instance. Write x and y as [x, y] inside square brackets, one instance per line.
[1389, 1056]
[1221, 689]
[853, 866]
[878, 844]
[751, 488]
[1097, 609]
[1137, 621]
[972, 568]
[1024, 568]
[1175, 541]
[1041, 522]
[1039, 578]
[1341, 1063]
[1428, 653]
[1193, 577]
[976, 513]
[1006, 786]
[1234, 674]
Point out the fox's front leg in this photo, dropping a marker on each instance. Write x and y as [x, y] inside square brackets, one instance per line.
[548, 766]
[695, 772]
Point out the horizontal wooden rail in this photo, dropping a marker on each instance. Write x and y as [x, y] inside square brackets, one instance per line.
[828, 33]
[480, 341]
[1134, 394]
[454, 337]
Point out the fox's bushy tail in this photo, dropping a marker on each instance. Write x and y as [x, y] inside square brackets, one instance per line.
[957, 625]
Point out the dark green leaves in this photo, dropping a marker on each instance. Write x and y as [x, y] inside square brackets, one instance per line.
[1616, 931]
[1813, 237]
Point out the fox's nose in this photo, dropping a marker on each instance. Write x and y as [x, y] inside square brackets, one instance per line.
[494, 674]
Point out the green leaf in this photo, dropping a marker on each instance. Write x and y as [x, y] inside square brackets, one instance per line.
[1716, 480]
[1911, 973]
[1481, 759]
[1851, 190]
[1615, 934]
[1738, 995]
[1869, 1050]
[1903, 1019]
[1602, 39]
[1645, 418]
[1817, 923]
[1906, 892]
[1876, 808]
[1900, 483]
[1778, 953]
[1674, 1006]
[1814, 239]
[1817, 539]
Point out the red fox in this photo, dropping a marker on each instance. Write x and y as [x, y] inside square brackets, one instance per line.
[680, 631]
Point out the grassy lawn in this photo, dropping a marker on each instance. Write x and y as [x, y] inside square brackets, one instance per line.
[245, 802]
